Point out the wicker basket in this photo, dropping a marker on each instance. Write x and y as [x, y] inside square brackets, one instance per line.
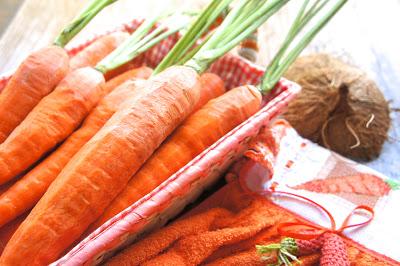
[168, 199]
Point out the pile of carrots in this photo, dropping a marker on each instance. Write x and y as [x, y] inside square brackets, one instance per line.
[78, 147]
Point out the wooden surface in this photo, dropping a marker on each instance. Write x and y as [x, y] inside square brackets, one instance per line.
[365, 33]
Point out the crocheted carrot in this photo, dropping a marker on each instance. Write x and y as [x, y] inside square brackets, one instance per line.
[289, 249]
[40, 73]
[250, 257]
[332, 247]
[334, 251]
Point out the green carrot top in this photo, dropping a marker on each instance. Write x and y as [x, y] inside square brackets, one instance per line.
[138, 42]
[195, 31]
[283, 59]
[141, 40]
[243, 20]
[79, 22]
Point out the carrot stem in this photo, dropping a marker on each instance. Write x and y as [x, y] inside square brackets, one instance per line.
[79, 22]
[196, 30]
[139, 42]
[287, 250]
[147, 44]
[280, 63]
[247, 16]
[192, 52]
[117, 55]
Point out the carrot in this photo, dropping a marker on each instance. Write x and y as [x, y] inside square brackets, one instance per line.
[36, 77]
[7, 231]
[99, 49]
[27, 191]
[40, 73]
[211, 86]
[51, 121]
[5, 187]
[122, 69]
[99, 171]
[331, 245]
[136, 73]
[198, 132]
[334, 251]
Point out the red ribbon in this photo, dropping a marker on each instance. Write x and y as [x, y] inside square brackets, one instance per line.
[307, 231]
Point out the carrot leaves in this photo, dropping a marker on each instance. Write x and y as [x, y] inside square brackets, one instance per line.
[88, 13]
[280, 62]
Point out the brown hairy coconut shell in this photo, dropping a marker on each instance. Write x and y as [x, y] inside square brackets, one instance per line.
[339, 107]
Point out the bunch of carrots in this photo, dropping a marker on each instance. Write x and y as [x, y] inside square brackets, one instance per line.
[76, 149]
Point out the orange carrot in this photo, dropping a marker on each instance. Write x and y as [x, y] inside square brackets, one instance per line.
[5, 187]
[99, 49]
[136, 73]
[122, 69]
[334, 251]
[36, 77]
[40, 72]
[7, 231]
[51, 121]
[211, 86]
[198, 132]
[99, 171]
[27, 191]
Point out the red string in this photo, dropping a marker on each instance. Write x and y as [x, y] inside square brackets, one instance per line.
[301, 230]
[307, 231]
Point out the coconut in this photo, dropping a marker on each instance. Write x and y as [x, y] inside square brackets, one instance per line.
[339, 107]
